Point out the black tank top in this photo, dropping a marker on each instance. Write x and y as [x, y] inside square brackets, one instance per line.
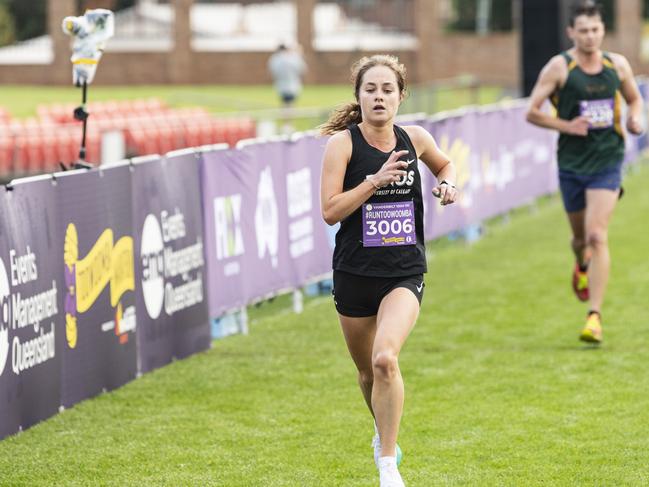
[392, 260]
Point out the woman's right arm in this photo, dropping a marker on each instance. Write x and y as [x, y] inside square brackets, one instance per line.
[337, 205]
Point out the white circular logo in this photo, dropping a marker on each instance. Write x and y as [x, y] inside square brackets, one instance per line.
[267, 218]
[151, 253]
[5, 316]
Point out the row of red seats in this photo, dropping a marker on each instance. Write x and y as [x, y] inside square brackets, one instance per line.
[29, 150]
[39, 144]
[30, 153]
[152, 139]
[62, 112]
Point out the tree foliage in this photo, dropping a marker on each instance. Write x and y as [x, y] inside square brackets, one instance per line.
[29, 17]
[501, 19]
[500, 16]
[7, 29]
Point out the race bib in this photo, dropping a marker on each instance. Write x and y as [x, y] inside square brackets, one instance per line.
[389, 224]
[600, 113]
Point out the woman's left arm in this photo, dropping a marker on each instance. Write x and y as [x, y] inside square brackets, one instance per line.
[438, 162]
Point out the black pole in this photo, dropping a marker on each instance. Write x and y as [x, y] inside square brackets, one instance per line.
[82, 150]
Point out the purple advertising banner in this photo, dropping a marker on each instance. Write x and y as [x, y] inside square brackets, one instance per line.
[31, 305]
[171, 301]
[227, 178]
[270, 250]
[97, 263]
[246, 224]
[502, 162]
[309, 248]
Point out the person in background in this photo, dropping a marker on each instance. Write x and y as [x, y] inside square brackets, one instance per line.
[287, 68]
[586, 86]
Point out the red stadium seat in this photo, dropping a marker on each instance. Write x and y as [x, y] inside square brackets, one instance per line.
[6, 154]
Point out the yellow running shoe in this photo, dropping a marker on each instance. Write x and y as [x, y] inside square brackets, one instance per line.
[592, 332]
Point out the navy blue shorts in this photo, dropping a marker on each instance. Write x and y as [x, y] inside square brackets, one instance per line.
[573, 186]
[360, 296]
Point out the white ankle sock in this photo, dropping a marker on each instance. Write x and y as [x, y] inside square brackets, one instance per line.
[386, 461]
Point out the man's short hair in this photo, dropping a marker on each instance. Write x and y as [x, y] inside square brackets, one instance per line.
[588, 8]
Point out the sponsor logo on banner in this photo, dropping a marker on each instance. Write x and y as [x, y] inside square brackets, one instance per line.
[267, 218]
[227, 229]
[300, 202]
[20, 312]
[161, 264]
[5, 297]
[106, 264]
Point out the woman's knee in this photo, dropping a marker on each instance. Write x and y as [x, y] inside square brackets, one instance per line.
[385, 364]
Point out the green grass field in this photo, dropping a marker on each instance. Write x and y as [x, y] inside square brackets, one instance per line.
[499, 391]
[21, 101]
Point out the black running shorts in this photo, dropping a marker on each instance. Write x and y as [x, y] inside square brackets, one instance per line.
[360, 296]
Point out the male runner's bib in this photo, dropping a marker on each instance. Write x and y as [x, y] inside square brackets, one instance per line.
[385, 236]
[597, 97]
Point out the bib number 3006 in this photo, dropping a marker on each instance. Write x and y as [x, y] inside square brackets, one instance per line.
[387, 224]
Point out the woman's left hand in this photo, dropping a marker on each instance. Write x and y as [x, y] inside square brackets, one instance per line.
[446, 192]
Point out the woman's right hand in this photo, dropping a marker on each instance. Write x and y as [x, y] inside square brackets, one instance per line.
[391, 171]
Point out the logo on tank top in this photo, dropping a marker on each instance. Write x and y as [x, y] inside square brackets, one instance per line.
[403, 186]
[407, 179]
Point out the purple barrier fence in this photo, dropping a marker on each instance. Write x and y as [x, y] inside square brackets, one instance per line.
[309, 248]
[97, 261]
[227, 183]
[31, 305]
[170, 291]
[263, 230]
[502, 161]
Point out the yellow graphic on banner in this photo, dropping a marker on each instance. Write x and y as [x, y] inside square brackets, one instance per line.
[94, 271]
[123, 276]
[71, 330]
[105, 264]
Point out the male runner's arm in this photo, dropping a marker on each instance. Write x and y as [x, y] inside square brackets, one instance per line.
[337, 205]
[438, 163]
[631, 94]
[552, 76]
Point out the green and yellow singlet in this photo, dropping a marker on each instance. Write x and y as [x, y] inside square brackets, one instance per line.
[597, 97]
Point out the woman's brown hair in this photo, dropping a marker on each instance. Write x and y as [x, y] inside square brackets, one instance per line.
[350, 113]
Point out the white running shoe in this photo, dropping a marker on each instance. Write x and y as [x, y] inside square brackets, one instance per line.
[376, 444]
[389, 475]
